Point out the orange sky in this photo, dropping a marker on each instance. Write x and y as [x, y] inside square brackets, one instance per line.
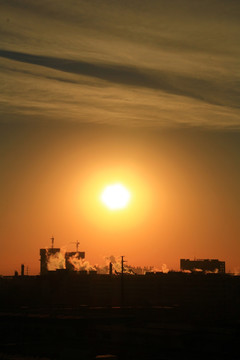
[184, 185]
[140, 92]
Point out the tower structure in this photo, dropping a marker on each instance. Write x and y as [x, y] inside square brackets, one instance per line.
[73, 255]
[45, 254]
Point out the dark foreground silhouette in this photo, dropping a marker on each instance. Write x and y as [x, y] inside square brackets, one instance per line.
[169, 316]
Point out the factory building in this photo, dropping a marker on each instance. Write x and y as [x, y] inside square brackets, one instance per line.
[45, 255]
[53, 259]
[204, 265]
[73, 257]
[77, 255]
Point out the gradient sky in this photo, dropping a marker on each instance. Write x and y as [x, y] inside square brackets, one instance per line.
[143, 92]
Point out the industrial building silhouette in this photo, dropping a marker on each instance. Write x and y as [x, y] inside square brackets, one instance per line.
[65, 313]
[205, 265]
[48, 253]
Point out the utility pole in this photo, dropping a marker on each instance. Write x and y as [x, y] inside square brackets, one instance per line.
[77, 244]
[122, 281]
[52, 239]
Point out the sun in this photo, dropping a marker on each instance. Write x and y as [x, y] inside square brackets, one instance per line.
[115, 196]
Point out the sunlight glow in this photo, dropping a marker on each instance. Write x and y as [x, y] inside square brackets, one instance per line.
[115, 197]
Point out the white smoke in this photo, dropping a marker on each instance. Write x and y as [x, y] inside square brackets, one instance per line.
[198, 270]
[128, 269]
[56, 261]
[80, 264]
[216, 271]
[165, 269]
[117, 265]
[236, 272]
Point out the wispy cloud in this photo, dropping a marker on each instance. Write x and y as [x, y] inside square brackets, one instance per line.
[129, 63]
[173, 83]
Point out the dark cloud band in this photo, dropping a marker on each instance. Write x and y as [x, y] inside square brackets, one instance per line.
[206, 90]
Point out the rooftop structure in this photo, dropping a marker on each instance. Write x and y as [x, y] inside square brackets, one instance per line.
[53, 259]
[204, 265]
[71, 257]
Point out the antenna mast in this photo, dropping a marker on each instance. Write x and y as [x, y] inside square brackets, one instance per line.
[52, 239]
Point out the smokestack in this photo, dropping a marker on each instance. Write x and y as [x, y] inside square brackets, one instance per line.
[22, 270]
[110, 268]
[52, 239]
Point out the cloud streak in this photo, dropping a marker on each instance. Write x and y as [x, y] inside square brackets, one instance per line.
[122, 62]
[200, 89]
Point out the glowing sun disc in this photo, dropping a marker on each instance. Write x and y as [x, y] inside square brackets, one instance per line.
[115, 197]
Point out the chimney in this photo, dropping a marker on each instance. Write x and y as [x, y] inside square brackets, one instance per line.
[110, 268]
[22, 270]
